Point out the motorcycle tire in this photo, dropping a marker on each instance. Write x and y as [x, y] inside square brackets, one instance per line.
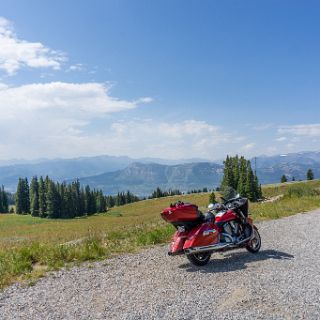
[254, 245]
[199, 259]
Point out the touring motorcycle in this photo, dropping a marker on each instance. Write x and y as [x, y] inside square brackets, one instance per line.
[226, 226]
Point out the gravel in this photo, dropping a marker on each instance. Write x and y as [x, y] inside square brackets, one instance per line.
[280, 282]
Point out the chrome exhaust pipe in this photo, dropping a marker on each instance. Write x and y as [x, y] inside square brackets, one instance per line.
[213, 247]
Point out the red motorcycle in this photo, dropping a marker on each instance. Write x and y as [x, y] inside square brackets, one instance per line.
[225, 227]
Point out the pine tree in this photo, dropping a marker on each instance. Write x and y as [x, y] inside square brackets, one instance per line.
[69, 203]
[34, 197]
[42, 198]
[63, 211]
[88, 201]
[228, 173]
[26, 196]
[284, 179]
[4, 205]
[257, 188]
[250, 184]
[310, 175]
[52, 201]
[82, 203]
[242, 176]
[100, 202]
[5, 201]
[22, 197]
[212, 198]
[110, 202]
[235, 171]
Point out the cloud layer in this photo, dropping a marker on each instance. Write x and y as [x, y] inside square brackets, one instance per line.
[67, 119]
[84, 100]
[308, 130]
[50, 119]
[16, 53]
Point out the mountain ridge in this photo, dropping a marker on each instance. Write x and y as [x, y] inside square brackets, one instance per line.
[113, 174]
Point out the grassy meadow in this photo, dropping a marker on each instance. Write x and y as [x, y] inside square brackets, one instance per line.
[31, 246]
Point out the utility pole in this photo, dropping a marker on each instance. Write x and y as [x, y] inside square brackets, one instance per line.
[255, 165]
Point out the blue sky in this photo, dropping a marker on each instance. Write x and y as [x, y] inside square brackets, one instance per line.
[170, 79]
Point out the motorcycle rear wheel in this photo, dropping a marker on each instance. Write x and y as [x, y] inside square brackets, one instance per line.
[254, 245]
[199, 259]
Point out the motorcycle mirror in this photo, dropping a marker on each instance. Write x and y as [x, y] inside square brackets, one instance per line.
[210, 206]
[238, 195]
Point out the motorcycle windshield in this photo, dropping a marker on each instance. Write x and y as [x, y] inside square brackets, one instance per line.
[228, 193]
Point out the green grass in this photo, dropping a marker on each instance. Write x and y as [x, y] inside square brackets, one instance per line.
[31, 246]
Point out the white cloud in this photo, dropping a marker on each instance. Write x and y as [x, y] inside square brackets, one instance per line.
[76, 67]
[310, 130]
[85, 100]
[248, 146]
[280, 139]
[16, 53]
[50, 119]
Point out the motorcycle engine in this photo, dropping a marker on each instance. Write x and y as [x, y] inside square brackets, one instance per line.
[233, 229]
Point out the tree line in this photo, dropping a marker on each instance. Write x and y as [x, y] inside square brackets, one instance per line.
[197, 190]
[158, 193]
[48, 199]
[121, 199]
[238, 174]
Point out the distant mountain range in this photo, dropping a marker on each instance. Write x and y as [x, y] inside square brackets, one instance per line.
[142, 176]
[270, 169]
[68, 169]
[142, 179]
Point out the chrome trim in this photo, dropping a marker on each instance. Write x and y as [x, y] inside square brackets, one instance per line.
[228, 236]
[213, 247]
[207, 232]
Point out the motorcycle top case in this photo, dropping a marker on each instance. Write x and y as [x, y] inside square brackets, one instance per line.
[186, 212]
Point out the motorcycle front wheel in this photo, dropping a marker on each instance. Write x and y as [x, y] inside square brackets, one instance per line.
[199, 259]
[254, 244]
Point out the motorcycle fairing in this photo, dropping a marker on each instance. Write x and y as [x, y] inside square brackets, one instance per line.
[224, 216]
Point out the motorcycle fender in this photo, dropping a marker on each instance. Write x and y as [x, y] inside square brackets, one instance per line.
[178, 240]
[203, 235]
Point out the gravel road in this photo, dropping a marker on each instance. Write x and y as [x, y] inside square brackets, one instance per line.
[280, 282]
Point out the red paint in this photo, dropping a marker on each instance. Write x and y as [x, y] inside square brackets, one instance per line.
[203, 235]
[227, 216]
[183, 212]
[176, 245]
